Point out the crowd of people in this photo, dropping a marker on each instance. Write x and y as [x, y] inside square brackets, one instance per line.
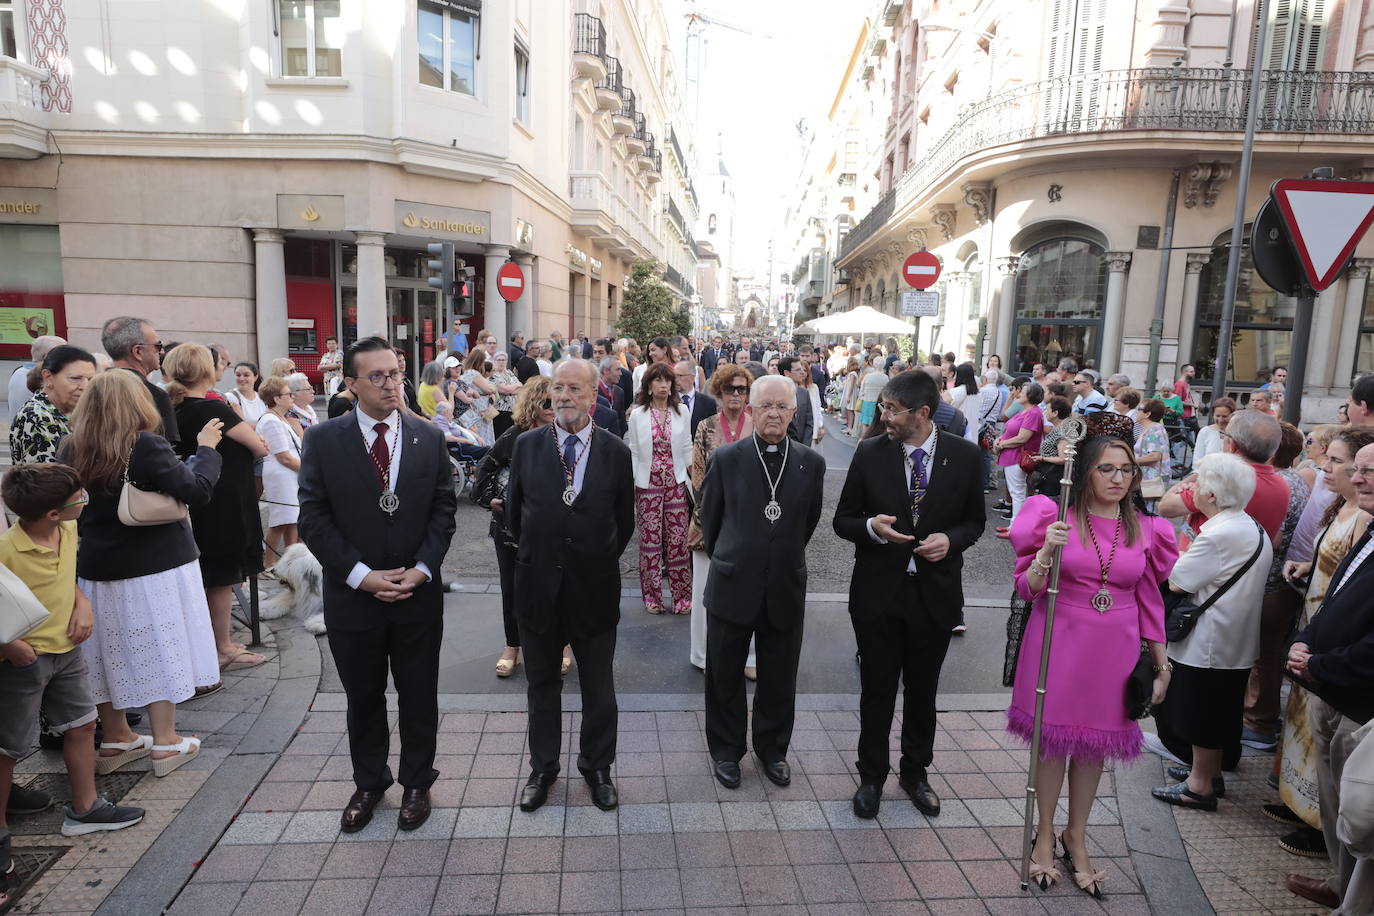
[1207, 564]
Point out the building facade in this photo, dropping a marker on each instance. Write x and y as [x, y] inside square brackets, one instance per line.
[268, 175]
[1033, 147]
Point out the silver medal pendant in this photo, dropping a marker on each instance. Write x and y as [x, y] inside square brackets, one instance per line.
[389, 502]
[1102, 600]
[772, 511]
[568, 496]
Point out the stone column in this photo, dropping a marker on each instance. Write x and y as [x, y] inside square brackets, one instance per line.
[1187, 319]
[371, 283]
[269, 312]
[1319, 366]
[1115, 312]
[495, 316]
[956, 290]
[1005, 314]
[1356, 282]
[522, 309]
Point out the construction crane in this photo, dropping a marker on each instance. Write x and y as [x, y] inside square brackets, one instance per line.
[694, 51]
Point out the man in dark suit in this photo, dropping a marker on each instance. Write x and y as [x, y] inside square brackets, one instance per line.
[608, 390]
[1333, 657]
[526, 367]
[947, 417]
[803, 425]
[698, 403]
[912, 503]
[586, 345]
[756, 350]
[815, 361]
[517, 348]
[376, 509]
[760, 504]
[713, 356]
[571, 509]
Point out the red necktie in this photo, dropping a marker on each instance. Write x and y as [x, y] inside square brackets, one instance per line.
[381, 456]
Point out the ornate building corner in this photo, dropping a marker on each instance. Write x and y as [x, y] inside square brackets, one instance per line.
[978, 195]
[1009, 265]
[916, 235]
[1204, 180]
[943, 216]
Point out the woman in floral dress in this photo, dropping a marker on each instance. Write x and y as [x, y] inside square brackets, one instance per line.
[660, 445]
[42, 422]
[475, 371]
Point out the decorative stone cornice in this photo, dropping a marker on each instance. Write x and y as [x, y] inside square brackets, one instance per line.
[978, 196]
[1196, 260]
[1008, 266]
[943, 216]
[1205, 179]
[1117, 261]
[916, 235]
[1359, 268]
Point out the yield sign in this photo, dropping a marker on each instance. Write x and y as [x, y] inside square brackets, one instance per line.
[1325, 220]
[510, 281]
[921, 270]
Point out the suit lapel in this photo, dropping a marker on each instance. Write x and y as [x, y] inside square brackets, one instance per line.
[1339, 574]
[792, 470]
[356, 453]
[411, 461]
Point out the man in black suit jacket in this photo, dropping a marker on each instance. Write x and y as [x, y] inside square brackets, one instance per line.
[1333, 657]
[608, 390]
[700, 404]
[912, 503]
[517, 348]
[803, 425]
[526, 367]
[376, 509]
[713, 356]
[571, 508]
[757, 585]
[756, 351]
[946, 416]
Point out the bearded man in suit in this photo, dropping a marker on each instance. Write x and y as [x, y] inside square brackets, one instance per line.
[912, 503]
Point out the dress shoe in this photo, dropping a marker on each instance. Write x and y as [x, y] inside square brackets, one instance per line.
[1313, 889]
[536, 791]
[1181, 773]
[604, 795]
[414, 809]
[922, 795]
[358, 814]
[866, 801]
[727, 773]
[778, 772]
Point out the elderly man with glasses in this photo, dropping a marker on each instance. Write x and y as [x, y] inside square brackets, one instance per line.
[133, 344]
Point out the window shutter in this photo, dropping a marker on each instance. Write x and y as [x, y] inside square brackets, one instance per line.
[1310, 40]
[1276, 55]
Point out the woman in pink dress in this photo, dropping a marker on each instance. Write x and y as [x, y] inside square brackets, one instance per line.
[660, 443]
[1115, 555]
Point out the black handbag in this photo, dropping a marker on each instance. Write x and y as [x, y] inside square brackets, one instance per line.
[1140, 686]
[1181, 613]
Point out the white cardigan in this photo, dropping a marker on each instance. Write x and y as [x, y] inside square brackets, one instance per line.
[640, 438]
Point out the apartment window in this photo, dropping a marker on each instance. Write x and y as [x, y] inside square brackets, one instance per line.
[522, 85]
[8, 45]
[449, 41]
[311, 38]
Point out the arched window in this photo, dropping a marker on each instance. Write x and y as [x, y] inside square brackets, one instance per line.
[1262, 332]
[1061, 292]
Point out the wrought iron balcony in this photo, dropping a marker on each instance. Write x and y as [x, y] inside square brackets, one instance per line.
[608, 87]
[812, 292]
[638, 138]
[589, 46]
[1191, 100]
[655, 165]
[675, 215]
[677, 150]
[674, 278]
[624, 120]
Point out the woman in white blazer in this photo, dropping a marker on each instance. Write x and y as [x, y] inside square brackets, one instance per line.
[660, 443]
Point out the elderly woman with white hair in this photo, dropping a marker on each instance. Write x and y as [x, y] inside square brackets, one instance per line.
[462, 442]
[302, 401]
[1224, 572]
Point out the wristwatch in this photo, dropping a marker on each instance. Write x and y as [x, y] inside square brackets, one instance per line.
[1167, 666]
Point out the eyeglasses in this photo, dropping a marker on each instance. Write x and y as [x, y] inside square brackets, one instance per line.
[158, 346]
[1363, 471]
[1082, 381]
[736, 389]
[1111, 472]
[772, 407]
[85, 498]
[379, 379]
[893, 412]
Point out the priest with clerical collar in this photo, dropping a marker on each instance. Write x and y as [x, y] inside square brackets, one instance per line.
[761, 503]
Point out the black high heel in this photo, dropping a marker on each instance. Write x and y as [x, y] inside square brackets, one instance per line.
[1045, 878]
[1088, 882]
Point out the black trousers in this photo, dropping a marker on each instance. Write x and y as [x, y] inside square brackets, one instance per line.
[411, 651]
[505, 563]
[595, 672]
[903, 643]
[777, 653]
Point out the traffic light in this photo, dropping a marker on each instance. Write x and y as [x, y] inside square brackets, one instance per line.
[442, 264]
[465, 296]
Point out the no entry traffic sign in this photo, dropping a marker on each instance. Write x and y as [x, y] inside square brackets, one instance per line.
[510, 281]
[1325, 219]
[921, 270]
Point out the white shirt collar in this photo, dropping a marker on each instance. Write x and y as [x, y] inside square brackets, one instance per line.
[584, 435]
[366, 422]
[927, 446]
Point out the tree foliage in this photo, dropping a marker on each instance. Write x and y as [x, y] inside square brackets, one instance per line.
[646, 309]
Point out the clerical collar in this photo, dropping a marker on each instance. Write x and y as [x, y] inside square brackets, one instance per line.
[763, 444]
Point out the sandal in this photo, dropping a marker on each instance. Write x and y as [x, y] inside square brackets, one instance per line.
[241, 660]
[505, 667]
[186, 749]
[1179, 794]
[129, 751]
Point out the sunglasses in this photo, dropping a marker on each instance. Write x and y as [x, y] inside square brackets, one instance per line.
[736, 389]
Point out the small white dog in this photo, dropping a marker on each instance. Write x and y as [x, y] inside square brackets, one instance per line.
[299, 572]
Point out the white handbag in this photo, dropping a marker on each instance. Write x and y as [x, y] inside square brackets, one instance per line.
[20, 612]
[143, 508]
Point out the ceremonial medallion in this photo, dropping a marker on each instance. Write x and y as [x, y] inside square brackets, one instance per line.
[389, 502]
[772, 511]
[569, 495]
[1102, 601]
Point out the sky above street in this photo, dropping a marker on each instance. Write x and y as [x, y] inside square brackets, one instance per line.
[754, 89]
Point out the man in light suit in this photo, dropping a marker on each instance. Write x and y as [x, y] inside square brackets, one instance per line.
[912, 503]
[376, 509]
[760, 505]
[700, 404]
[570, 505]
[803, 425]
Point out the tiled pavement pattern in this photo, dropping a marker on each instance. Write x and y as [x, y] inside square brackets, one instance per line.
[1235, 852]
[678, 842]
[93, 865]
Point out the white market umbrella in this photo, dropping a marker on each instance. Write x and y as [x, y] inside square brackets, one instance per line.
[860, 321]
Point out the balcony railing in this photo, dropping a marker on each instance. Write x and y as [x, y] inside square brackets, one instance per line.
[656, 161]
[627, 102]
[677, 150]
[1154, 99]
[21, 84]
[589, 35]
[674, 277]
[674, 214]
[611, 82]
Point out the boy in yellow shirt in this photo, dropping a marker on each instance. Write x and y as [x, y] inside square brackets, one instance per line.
[44, 671]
